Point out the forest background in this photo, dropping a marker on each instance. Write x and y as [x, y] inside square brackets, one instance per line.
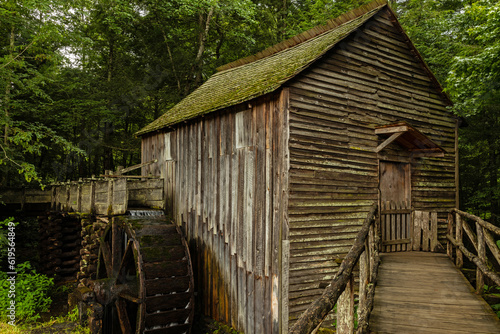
[79, 78]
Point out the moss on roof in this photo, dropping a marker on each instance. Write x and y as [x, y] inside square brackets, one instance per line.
[258, 76]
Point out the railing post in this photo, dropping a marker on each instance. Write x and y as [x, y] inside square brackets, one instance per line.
[449, 231]
[345, 309]
[481, 254]
[458, 234]
[364, 277]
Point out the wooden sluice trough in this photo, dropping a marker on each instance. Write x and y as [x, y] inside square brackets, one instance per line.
[103, 196]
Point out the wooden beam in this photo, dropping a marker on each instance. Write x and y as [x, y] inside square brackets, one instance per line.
[131, 168]
[388, 141]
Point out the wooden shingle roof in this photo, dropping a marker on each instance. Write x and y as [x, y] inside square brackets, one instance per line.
[265, 72]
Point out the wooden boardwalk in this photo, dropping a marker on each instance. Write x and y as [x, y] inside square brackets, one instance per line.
[419, 292]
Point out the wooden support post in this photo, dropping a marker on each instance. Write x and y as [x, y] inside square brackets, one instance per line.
[434, 231]
[481, 254]
[345, 309]
[364, 277]
[53, 198]
[109, 206]
[92, 197]
[449, 231]
[79, 196]
[458, 237]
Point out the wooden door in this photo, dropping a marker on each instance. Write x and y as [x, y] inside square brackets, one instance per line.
[395, 206]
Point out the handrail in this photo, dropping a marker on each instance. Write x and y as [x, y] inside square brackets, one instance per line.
[457, 224]
[319, 309]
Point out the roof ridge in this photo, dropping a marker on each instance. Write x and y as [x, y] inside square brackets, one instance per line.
[306, 35]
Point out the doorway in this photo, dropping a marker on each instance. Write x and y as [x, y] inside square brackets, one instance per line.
[395, 206]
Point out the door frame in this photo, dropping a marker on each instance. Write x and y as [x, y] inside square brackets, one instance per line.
[407, 217]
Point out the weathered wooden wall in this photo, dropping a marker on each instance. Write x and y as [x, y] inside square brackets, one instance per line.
[226, 183]
[370, 79]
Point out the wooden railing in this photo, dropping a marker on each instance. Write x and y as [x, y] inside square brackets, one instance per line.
[480, 237]
[341, 289]
[404, 229]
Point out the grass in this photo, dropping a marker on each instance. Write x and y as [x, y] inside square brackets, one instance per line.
[60, 325]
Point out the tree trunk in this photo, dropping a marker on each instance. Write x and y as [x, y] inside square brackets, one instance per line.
[196, 69]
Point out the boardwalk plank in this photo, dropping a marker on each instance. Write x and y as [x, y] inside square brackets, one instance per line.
[420, 292]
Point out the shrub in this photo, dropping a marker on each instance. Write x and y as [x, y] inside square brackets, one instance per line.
[31, 294]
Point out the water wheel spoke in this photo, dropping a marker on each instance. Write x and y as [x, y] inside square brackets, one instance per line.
[126, 261]
[128, 296]
[116, 247]
[121, 309]
[106, 256]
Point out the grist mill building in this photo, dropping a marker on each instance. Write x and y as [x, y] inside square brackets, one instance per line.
[272, 164]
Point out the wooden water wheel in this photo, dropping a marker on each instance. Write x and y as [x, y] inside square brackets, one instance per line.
[144, 278]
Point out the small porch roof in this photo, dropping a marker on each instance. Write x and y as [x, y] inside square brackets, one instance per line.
[408, 137]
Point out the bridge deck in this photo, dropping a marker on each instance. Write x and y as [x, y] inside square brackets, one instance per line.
[420, 292]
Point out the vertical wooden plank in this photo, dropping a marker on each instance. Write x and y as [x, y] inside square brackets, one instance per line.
[222, 181]
[206, 276]
[269, 191]
[345, 309]
[220, 283]
[383, 224]
[204, 172]
[267, 305]
[398, 225]
[250, 310]
[227, 198]
[227, 283]
[409, 226]
[458, 234]
[417, 230]
[249, 208]
[259, 305]
[240, 232]
[239, 129]
[234, 200]
[234, 292]
[199, 178]
[393, 225]
[217, 171]
[242, 298]
[434, 231]
[210, 198]
[481, 253]
[275, 304]
[425, 231]
[388, 226]
[285, 284]
[259, 196]
[285, 170]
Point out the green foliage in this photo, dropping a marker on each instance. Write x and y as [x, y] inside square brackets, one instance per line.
[31, 294]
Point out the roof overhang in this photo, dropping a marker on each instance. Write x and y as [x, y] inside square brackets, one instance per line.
[410, 138]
